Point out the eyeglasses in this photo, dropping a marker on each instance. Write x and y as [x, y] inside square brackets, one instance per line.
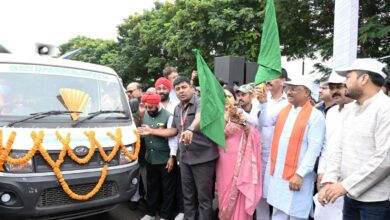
[294, 88]
[130, 91]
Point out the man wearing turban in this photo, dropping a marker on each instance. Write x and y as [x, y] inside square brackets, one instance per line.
[160, 157]
[163, 88]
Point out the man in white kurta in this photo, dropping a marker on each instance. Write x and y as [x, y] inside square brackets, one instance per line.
[291, 198]
[333, 118]
[269, 105]
[360, 163]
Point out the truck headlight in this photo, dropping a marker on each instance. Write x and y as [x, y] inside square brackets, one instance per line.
[123, 159]
[19, 168]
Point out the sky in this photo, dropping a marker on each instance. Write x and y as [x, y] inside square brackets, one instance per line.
[26, 22]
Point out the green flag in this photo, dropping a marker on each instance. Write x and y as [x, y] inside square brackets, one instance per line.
[269, 59]
[212, 102]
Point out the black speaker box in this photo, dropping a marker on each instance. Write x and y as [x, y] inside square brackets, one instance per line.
[250, 71]
[230, 69]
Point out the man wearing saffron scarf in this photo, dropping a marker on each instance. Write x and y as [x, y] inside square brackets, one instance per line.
[297, 141]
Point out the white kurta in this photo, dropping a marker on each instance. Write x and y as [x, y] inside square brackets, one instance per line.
[297, 203]
[269, 112]
[333, 120]
[360, 159]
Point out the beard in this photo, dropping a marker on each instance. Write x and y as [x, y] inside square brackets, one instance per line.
[354, 93]
[164, 96]
[153, 113]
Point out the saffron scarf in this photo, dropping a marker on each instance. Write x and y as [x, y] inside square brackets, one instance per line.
[295, 142]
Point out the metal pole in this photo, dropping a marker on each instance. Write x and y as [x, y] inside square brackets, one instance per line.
[384, 58]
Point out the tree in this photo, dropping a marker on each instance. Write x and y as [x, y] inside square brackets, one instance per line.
[374, 28]
[97, 51]
[166, 34]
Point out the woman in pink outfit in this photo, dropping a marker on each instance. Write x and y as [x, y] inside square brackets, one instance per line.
[238, 172]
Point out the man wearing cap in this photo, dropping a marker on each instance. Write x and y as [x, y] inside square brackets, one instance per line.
[270, 105]
[245, 95]
[334, 116]
[297, 142]
[160, 157]
[359, 166]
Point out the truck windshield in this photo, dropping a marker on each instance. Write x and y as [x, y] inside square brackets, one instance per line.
[28, 89]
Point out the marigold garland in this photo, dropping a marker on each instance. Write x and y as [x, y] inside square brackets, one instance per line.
[66, 149]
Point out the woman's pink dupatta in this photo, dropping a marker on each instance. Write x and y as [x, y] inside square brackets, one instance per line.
[239, 182]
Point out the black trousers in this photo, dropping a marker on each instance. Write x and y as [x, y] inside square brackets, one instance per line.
[197, 183]
[356, 210]
[179, 194]
[161, 184]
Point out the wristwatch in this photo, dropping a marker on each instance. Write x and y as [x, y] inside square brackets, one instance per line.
[172, 156]
[190, 129]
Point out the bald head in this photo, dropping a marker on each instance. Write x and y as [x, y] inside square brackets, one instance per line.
[134, 90]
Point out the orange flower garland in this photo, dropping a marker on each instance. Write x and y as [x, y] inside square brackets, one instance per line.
[69, 150]
[66, 149]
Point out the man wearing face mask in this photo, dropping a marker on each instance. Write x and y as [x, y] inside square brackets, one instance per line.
[334, 116]
[160, 157]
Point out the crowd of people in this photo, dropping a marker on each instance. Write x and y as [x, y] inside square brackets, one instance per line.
[286, 157]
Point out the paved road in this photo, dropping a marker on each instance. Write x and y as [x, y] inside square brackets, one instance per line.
[122, 212]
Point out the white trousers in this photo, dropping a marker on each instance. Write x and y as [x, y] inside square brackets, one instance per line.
[262, 210]
[280, 215]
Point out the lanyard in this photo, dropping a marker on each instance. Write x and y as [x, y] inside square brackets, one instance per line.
[184, 116]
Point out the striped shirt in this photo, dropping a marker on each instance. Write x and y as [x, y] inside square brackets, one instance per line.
[361, 156]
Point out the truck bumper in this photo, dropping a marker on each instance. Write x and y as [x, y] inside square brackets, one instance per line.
[35, 197]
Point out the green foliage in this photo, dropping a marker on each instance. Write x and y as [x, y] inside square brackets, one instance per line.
[374, 28]
[97, 51]
[165, 35]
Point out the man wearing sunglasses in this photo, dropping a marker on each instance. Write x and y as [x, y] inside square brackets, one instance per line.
[134, 90]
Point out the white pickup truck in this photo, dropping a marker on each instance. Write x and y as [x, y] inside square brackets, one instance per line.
[63, 108]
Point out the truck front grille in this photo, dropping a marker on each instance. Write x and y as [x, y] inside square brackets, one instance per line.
[57, 197]
[68, 165]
